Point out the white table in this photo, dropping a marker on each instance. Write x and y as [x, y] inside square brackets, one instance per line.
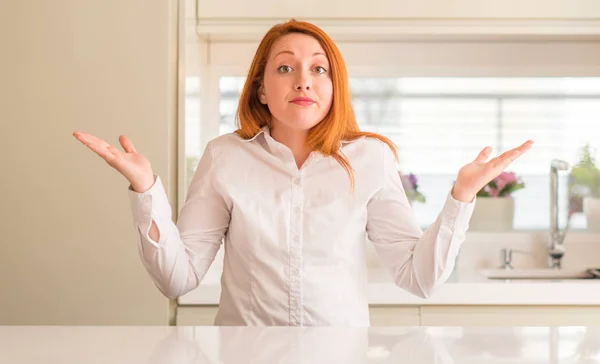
[243, 345]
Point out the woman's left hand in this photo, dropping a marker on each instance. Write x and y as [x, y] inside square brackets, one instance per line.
[474, 176]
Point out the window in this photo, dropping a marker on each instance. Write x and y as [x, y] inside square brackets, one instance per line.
[442, 120]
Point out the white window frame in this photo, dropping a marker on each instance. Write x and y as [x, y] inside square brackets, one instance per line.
[220, 63]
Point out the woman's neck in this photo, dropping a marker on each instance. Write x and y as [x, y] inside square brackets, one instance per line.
[295, 140]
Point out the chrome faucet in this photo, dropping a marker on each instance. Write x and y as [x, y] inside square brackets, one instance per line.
[556, 238]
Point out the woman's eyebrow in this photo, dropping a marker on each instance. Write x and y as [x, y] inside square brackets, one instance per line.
[293, 54]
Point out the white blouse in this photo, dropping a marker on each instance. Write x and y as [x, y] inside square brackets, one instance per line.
[294, 239]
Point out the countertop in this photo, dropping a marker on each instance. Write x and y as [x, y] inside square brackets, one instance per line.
[242, 345]
[460, 289]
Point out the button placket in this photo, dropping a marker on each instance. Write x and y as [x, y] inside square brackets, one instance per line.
[295, 262]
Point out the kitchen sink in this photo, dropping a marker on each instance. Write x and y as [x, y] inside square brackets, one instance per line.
[537, 273]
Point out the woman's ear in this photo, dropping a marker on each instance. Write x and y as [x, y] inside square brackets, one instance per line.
[261, 95]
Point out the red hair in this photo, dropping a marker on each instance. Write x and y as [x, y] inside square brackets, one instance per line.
[339, 123]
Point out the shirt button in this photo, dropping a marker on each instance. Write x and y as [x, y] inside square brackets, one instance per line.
[296, 180]
[297, 209]
[295, 271]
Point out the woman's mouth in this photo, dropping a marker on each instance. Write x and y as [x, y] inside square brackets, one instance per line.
[303, 101]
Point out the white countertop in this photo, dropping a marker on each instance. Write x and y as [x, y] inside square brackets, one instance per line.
[242, 345]
[471, 289]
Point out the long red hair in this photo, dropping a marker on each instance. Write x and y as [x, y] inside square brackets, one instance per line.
[339, 123]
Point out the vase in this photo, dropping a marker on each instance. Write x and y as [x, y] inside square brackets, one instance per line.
[493, 214]
[591, 209]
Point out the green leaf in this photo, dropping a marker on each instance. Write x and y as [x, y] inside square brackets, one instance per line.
[585, 173]
[510, 188]
[482, 193]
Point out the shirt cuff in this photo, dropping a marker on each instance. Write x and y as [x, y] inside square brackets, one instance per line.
[457, 214]
[153, 202]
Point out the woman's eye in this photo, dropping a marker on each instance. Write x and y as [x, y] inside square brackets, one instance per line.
[284, 69]
[320, 69]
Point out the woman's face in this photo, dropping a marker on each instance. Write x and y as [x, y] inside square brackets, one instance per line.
[297, 85]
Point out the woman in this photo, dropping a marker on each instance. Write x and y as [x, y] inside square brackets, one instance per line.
[294, 193]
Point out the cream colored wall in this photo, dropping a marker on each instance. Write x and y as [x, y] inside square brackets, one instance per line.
[67, 246]
[389, 9]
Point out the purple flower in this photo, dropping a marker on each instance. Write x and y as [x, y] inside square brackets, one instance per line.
[409, 181]
[411, 185]
[413, 180]
[504, 179]
[502, 186]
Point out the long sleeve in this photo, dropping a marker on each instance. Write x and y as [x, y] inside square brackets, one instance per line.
[182, 256]
[419, 261]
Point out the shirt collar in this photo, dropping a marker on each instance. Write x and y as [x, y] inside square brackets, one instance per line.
[266, 131]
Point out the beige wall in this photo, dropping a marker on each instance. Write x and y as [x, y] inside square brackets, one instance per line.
[67, 246]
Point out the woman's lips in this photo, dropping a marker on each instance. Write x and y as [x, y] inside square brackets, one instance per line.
[303, 101]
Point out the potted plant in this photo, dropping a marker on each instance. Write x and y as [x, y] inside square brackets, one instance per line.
[411, 187]
[584, 188]
[495, 206]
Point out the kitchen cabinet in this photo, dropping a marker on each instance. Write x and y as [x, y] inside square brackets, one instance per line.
[394, 316]
[467, 315]
[196, 315]
[443, 315]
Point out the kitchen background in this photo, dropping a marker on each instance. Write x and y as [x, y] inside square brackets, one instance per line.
[441, 79]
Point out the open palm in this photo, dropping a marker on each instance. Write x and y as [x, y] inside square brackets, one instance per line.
[474, 176]
[131, 164]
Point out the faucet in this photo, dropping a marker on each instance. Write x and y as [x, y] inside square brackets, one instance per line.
[556, 238]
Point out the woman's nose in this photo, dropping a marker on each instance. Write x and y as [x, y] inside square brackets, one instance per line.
[302, 83]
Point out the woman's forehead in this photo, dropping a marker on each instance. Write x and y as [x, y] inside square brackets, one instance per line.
[297, 44]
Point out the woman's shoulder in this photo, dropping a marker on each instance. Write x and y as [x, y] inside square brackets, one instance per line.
[225, 143]
[370, 145]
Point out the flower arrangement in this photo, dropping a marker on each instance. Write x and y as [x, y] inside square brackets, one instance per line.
[411, 187]
[502, 186]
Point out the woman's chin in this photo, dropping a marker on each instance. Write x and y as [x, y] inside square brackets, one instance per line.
[301, 125]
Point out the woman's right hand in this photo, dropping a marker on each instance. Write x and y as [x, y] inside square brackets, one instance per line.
[131, 164]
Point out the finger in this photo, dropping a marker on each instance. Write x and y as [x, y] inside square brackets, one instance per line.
[127, 144]
[506, 158]
[522, 149]
[518, 151]
[86, 139]
[484, 154]
[82, 137]
[98, 146]
[108, 152]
